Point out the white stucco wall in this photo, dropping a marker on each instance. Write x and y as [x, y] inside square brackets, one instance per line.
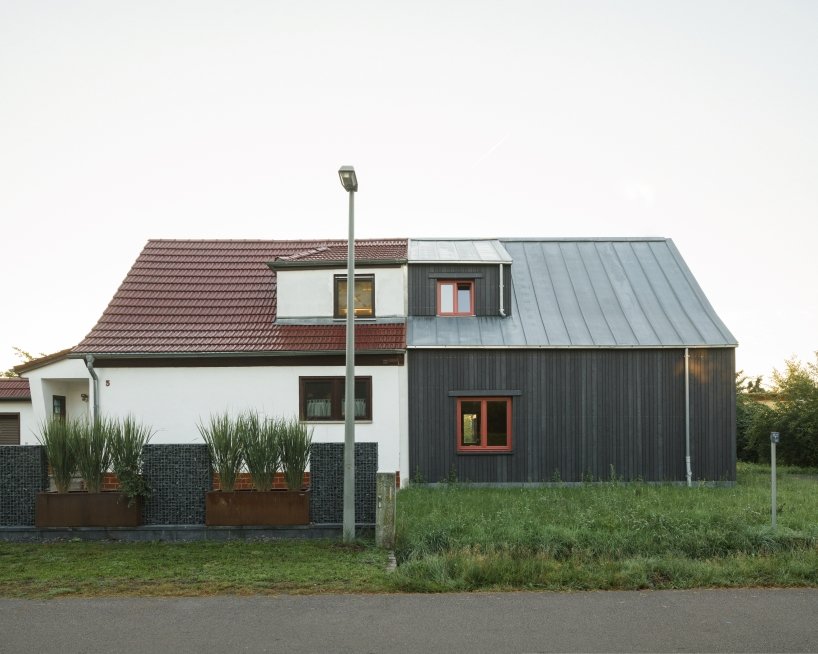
[69, 378]
[174, 400]
[309, 293]
[28, 426]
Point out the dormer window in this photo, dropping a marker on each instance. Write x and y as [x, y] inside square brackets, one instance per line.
[455, 298]
[364, 296]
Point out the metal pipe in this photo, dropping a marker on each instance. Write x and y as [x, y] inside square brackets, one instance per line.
[502, 292]
[89, 363]
[349, 400]
[687, 419]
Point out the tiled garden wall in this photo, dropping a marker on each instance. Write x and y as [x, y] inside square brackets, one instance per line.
[23, 474]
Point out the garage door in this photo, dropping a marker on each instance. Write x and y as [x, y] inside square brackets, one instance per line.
[9, 428]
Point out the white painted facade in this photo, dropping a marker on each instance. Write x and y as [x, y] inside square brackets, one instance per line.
[68, 378]
[174, 400]
[28, 426]
[309, 293]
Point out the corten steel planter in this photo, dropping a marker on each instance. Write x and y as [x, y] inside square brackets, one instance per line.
[255, 508]
[81, 509]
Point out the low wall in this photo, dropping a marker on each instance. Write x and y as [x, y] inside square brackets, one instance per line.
[180, 476]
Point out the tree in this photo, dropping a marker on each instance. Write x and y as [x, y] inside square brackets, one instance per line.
[795, 417]
[748, 412]
[24, 357]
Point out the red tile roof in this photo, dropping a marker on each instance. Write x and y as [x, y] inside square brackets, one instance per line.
[220, 296]
[14, 388]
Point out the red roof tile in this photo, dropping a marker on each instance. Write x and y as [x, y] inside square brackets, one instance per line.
[220, 296]
[14, 388]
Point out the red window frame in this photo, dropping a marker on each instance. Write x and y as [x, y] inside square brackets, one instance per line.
[456, 283]
[483, 446]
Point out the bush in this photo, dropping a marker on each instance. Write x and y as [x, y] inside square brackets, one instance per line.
[296, 444]
[224, 444]
[795, 417]
[261, 448]
[126, 457]
[93, 451]
[57, 436]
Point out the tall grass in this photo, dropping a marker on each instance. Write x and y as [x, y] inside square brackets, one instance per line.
[295, 440]
[127, 443]
[221, 435]
[260, 444]
[57, 436]
[641, 535]
[93, 451]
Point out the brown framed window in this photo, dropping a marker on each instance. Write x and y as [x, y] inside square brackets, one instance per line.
[483, 424]
[9, 428]
[364, 296]
[322, 398]
[58, 406]
[455, 298]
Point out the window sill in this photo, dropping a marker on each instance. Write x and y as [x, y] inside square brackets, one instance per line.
[483, 452]
[334, 422]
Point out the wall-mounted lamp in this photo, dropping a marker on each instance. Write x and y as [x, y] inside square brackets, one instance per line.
[84, 397]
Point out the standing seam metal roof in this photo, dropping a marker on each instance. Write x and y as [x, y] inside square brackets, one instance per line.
[588, 293]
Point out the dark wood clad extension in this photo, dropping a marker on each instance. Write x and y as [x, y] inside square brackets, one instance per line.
[580, 412]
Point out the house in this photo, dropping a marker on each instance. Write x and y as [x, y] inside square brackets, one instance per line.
[15, 410]
[535, 360]
[498, 360]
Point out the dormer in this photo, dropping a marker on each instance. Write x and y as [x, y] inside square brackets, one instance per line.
[311, 285]
[459, 278]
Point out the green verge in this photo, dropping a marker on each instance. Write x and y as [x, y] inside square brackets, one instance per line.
[84, 569]
[454, 538]
[609, 536]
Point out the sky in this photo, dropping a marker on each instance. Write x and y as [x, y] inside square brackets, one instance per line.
[693, 120]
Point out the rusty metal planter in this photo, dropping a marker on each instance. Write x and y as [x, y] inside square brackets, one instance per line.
[250, 507]
[80, 509]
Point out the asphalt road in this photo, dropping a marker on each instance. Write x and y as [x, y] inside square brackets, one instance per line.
[750, 620]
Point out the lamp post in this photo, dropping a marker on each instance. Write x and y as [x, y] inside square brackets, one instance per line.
[350, 183]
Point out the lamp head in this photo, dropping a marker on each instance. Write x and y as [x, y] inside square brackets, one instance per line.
[348, 178]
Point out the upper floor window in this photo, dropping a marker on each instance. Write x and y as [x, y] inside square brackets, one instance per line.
[484, 424]
[455, 298]
[364, 296]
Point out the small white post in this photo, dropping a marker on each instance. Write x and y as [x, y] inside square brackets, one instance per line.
[773, 490]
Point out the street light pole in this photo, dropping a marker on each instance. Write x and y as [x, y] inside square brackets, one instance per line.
[350, 182]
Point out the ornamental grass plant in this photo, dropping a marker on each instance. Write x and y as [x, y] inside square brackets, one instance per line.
[92, 446]
[57, 436]
[261, 448]
[295, 440]
[221, 435]
[126, 446]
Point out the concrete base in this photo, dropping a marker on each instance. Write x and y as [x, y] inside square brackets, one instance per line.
[176, 533]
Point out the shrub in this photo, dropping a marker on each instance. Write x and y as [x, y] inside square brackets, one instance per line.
[260, 444]
[57, 437]
[92, 449]
[127, 443]
[296, 444]
[223, 442]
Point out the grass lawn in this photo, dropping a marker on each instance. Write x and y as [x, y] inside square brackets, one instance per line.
[610, 536]
[597, 536]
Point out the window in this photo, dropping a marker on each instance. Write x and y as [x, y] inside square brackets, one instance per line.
[455, 298]
[364, 296]
[484, 424]
[58, 406]
[9, 428]
[322, 398]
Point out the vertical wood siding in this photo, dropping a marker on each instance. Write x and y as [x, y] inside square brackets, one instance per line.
[582, 414]
[423, 288]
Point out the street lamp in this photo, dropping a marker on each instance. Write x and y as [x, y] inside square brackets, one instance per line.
[350, 183]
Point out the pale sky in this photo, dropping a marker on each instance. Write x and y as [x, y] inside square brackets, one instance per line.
[694, 120]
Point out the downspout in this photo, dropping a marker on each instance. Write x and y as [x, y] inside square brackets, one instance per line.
[687, 419]
[89, 363]
[502, 293]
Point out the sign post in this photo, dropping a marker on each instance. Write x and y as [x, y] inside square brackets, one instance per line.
[774, 437]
